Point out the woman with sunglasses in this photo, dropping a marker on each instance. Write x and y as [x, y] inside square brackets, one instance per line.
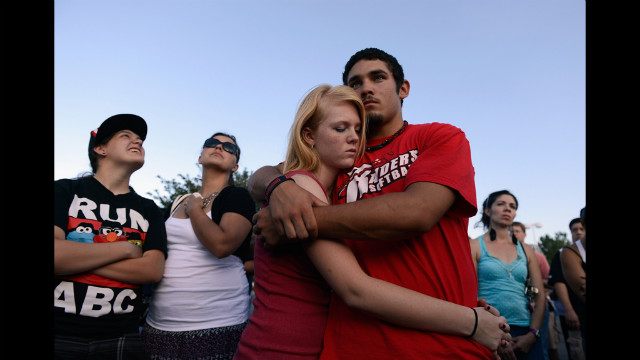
[200, 307]
[293, 283]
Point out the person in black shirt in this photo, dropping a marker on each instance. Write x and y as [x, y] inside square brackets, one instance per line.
[108, 242]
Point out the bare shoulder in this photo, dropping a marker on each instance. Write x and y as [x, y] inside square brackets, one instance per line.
[308, 183]
[531, 254]
[527, 248]
[571, 254]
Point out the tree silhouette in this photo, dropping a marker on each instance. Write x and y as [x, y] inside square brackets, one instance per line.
[187, 185]
[549, 246]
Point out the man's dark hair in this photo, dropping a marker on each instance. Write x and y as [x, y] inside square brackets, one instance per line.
[521, 225]
[375, 54]
[576, 221]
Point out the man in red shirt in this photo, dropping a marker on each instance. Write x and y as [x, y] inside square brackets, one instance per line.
[414, 236]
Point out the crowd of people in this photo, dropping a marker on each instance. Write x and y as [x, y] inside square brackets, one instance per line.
[359, 250]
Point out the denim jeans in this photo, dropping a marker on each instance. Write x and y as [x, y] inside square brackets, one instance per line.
[535, 353]
[544, 334]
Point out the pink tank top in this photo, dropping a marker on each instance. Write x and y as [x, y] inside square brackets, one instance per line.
[290, 308]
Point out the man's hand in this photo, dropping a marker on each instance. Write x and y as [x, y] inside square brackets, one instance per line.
[264, 228]
[571, 318]
[289, 216]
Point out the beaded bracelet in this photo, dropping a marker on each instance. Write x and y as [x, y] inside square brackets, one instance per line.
[475, 326]
[274, 183]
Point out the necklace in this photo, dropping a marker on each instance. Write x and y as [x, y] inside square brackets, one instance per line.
[386, 142]
[207, 200]
[510, 268]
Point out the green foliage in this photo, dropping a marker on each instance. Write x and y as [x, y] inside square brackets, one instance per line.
[187, 185]
[173, 188]
[549, 246]
[240, 178]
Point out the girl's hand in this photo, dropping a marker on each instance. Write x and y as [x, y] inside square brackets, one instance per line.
[505, 352]
[493, 330]
[192, 201]
[523, 343]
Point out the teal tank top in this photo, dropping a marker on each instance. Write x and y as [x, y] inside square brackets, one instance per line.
[503, 285]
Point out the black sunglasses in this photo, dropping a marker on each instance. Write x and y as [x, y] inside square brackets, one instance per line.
[231, 148]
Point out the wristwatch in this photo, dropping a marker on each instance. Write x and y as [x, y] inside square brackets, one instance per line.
[535, 332]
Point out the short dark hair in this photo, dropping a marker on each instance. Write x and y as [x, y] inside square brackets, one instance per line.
[521, 225]
[575, 221]
[376, 54]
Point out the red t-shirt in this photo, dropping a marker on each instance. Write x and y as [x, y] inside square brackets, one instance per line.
[290, 308]
[544, 265]
[438, 263]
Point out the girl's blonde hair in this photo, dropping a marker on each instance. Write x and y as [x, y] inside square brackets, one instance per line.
[300, 155]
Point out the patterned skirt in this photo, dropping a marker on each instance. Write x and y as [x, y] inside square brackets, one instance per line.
[214, 344]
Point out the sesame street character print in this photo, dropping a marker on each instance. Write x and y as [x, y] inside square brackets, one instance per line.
[135, 238]
[83, 232]
[94, 231]
[110, 231]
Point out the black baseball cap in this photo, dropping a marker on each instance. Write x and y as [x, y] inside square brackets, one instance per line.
[116, 123]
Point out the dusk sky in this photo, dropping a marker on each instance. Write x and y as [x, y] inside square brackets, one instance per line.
[510, 74]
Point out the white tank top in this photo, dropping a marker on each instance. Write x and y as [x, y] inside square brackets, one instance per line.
[198, 291]
[583, 252]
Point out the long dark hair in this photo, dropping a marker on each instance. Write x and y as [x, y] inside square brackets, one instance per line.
[486, 220]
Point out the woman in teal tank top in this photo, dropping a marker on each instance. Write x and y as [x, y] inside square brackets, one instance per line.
[503, 264]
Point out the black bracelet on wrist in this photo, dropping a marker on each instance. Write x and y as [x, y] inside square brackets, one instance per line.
[274, 183]
[475, 326]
